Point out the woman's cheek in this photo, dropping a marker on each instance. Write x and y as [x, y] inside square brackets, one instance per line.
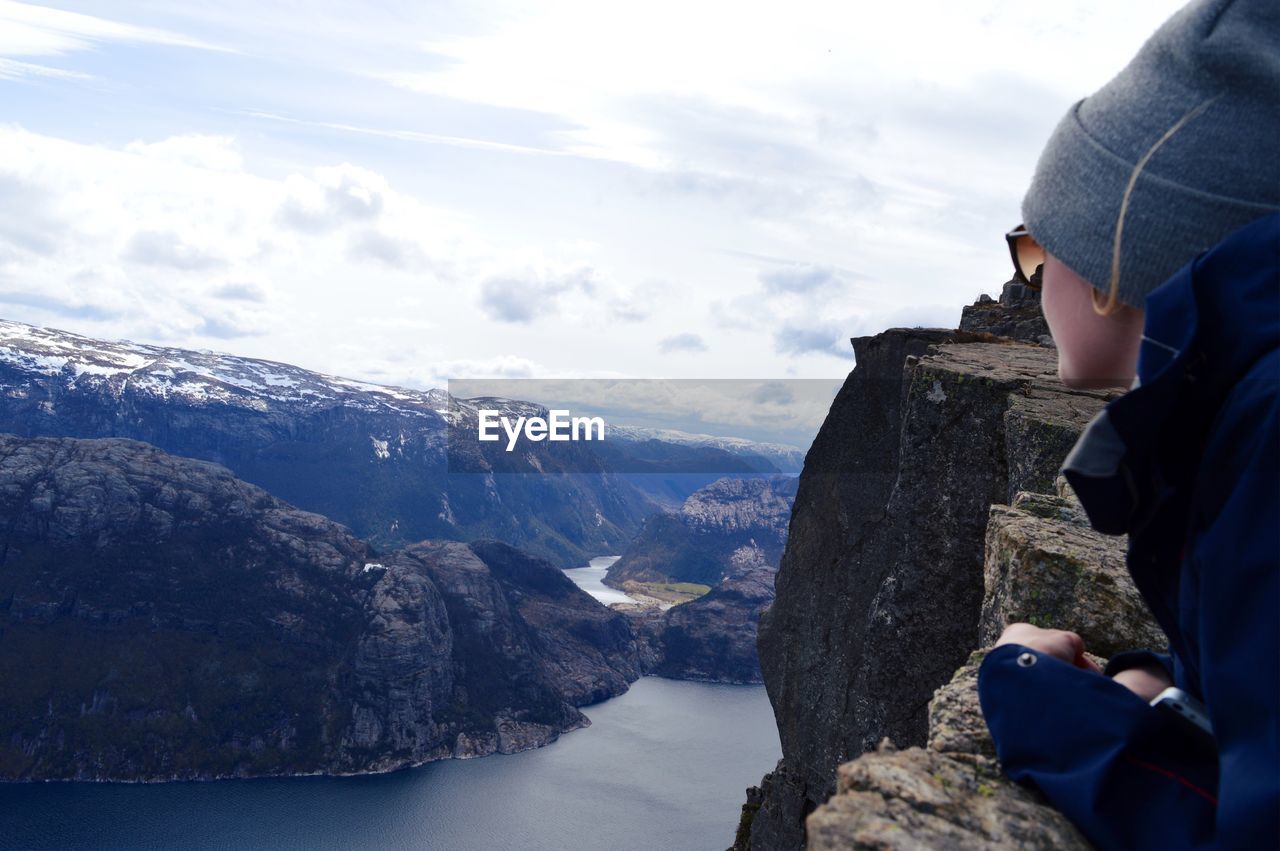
[1059, 301]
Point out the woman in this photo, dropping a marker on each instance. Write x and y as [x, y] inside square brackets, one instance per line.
[1152, 228]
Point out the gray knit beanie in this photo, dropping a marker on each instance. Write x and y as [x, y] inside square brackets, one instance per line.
[1218, 172]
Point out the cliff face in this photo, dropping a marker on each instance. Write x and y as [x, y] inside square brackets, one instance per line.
[880, 590]
[161, 619]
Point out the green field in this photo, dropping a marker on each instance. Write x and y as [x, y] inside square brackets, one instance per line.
[670, 592]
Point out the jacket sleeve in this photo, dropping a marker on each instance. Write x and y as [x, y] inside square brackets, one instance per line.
[1139, 659]
[1124, 773]
[1235, 562]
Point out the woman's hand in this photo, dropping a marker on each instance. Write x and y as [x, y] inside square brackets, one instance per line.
[1058, 643]
[1146, 682]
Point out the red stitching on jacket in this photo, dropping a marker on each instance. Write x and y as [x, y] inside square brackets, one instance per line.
[1172, 776]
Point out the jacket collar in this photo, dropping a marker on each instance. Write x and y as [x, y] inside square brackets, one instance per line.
[1204, 328]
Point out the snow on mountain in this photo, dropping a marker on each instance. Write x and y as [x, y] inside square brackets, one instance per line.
[212, 378]
[197, 377]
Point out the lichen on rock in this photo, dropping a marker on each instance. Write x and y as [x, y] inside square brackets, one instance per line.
[1046, 566]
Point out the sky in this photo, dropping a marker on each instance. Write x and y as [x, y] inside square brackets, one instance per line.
[411, 192]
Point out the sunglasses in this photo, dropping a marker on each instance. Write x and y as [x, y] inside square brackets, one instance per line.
[1028, 257]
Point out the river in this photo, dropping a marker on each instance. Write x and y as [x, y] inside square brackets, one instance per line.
[591, 580]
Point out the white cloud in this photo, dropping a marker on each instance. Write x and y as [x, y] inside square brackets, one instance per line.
[804, 278]
[166, 248]
[30, 30]
[158, 239]
[333, 196]
[221, 153]
[390, 251]
[239, 291]
[13, 69]
[533, 292]
[831, 337]
[500, 366]
[591, 63]
[682, 343]
[175, 241]
[821, 338]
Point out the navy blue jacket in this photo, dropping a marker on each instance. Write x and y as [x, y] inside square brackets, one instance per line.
[1186, 464]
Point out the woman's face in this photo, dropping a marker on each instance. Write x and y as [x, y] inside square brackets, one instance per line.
[1093, 351]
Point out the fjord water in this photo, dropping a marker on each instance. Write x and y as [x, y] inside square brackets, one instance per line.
[591, 580]
[663, 766]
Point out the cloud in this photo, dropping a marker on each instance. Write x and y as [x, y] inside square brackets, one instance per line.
[804, 278]
[823, 338]
[840, 152]
[30, 30]
[390, 251]
[533, 294]
[225, 328]
[335, 196]
[60, 307]
[440, 373]
[682, 343]
[221, 153]
[29, 220]
[774, 393]
[12, 69]
[165, 240]
[166, 248]
[402, 135]
[832, 337]
[637, 303]
[628, 311]
[239, 292]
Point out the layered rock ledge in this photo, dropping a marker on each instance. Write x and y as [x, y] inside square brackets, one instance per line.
[1043, 564]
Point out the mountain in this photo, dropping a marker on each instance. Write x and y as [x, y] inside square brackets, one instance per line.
[698, 542]
[712, 638]
[162, 619]
[728, 535]
[377, 459]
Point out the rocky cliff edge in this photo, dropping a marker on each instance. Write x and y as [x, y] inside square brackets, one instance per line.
[927, 517]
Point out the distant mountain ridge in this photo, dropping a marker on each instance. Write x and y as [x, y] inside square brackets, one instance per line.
[373, 457]
[784, 457]
[198, 376]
